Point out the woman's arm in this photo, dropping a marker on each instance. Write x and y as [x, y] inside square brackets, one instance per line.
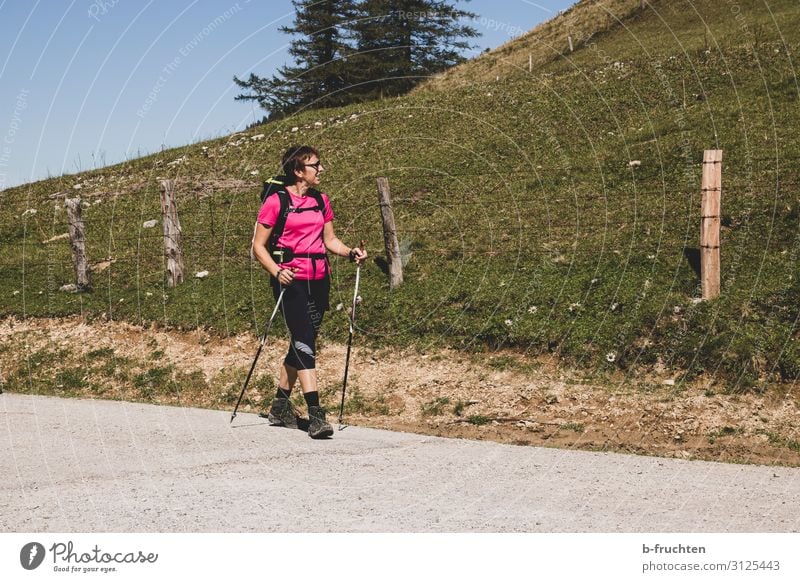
[337, 247]
[332, 243]
[260, 238]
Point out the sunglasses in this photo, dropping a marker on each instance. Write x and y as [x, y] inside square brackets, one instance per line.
[316, 165]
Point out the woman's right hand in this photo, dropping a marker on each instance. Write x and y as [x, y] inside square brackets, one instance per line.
[285, 276]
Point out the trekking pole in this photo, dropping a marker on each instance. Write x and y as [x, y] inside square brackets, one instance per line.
[350, 338]
[258, 353]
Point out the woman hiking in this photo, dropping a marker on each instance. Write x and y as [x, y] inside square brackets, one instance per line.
[293, 233]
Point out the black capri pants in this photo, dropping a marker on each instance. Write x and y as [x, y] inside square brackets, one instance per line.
[304, 304]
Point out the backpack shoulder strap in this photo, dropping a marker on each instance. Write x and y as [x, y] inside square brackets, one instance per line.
[276, 186]
[280, 223]
[317, 196]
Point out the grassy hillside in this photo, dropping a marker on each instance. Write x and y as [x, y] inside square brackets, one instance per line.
[582, 23]
[527, 225]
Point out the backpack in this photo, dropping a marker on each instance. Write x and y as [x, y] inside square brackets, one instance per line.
[276, 186]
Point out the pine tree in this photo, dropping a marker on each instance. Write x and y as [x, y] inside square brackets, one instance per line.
[319, 75]
[401, 42]
[348, 51]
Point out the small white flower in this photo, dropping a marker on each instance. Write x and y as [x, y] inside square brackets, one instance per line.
[677, 309]
[509, 323]
[614, 306]
[201, 274]
[610, 357]
[339, 307]
[295, 129]
[593, 281]
[148, 294]
[533, 309]
[255, 173]
[574, 307]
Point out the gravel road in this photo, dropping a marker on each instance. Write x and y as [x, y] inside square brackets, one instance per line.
[71, 465]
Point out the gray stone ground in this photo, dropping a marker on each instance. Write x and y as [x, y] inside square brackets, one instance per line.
[77, 465]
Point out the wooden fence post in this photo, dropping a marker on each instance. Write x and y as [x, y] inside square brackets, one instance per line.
[172, 234]
[709, 224]
[77, 240]
[390, 234]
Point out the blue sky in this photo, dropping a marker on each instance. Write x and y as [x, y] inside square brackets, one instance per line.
[87, 83]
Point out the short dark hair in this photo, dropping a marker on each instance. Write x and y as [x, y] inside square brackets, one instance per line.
[294, 159]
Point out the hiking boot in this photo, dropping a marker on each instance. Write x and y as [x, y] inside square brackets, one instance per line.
[318, 427]
[281, 413]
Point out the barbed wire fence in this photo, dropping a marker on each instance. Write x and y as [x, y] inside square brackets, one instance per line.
[499, 219]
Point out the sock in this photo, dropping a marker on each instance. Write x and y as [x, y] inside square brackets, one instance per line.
[312, 398]
[283, 393]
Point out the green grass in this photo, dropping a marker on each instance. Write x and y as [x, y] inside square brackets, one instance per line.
[528, 230]
[478, 419]
[70, 379]
[779, 441]
[725, 431]
[435, 407]
[578, 427]
[459, 408]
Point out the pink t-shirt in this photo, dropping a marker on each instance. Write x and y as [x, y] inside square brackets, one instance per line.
[302, 233]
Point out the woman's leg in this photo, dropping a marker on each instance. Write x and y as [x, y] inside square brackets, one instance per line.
[303, 316]
[293, 308]
[316, 304]
[282, 412]
[287, 377]
[308, 380]
[303, 319]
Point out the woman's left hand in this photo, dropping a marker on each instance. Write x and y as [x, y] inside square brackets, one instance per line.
[359, 255]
